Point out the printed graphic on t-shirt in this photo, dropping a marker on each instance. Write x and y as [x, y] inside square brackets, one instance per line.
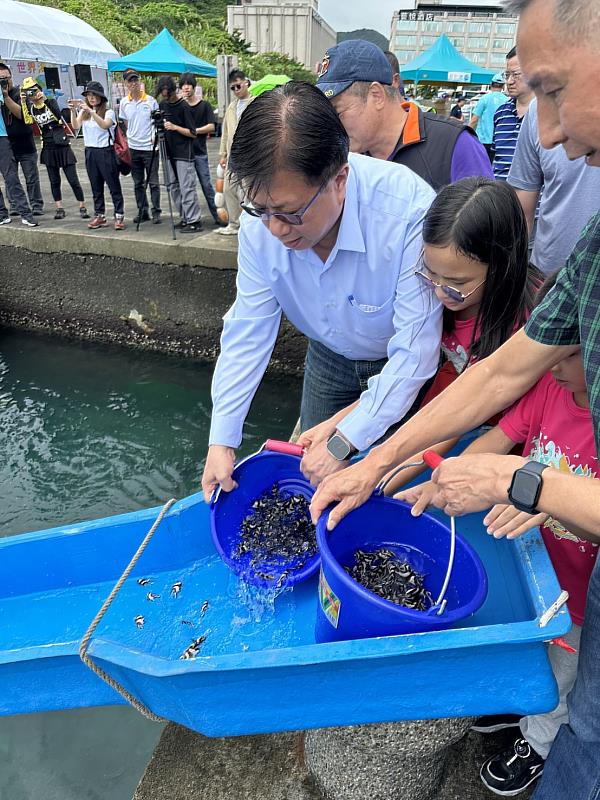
[43, 117]
[548, 452]
[454, 352]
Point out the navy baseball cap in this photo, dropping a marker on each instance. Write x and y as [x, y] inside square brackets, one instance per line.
[350, 61]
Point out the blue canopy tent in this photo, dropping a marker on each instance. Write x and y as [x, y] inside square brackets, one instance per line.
[163, 54]
[442, 63]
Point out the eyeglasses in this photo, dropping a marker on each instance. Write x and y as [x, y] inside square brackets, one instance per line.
[454, 294]
[512, 76]
[280, 216]
[236, 87]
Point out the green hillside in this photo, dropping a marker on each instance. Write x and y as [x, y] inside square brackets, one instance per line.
[200, 26]
[365, 33]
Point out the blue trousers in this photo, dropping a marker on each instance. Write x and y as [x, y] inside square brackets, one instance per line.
[332, 382]
[572, 769]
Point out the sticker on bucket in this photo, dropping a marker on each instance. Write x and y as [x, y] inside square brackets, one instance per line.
[330, 602]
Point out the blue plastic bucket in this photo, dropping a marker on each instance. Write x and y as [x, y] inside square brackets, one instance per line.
[346, 610]
[256, 475]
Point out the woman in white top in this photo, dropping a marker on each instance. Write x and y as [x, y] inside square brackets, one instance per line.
[98, 124]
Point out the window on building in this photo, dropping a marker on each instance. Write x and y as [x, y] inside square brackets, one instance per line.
[481, 27]
[406, 25]
[479, 58]
[497, 60]
[456, 27]
[405, 40]
[435, 27]
[404, 56]
[477, 42]
[502, 44]
[458, 41]
[505, 28]
[427, 41]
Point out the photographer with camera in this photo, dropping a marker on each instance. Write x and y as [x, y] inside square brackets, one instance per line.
[21, 141]
[176, 120]
[8, 170]
[136, 111]
[98, 123]
[56, 149]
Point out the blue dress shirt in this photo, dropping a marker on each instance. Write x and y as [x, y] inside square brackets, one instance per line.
[364, 303]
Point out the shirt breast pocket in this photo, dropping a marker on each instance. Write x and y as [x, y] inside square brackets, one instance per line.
[372, 321]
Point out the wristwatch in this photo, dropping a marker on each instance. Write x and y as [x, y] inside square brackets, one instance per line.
[526, 486]
[339, 447]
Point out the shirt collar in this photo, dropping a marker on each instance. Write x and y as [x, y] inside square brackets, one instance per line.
[140, 99]
[413, 130]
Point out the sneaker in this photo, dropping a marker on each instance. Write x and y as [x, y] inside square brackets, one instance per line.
[193, 227]
[29, 223]
[510, 772]
[99, 221]
[143, 217]
[119, 223]
[180, 225]
[156, 220]
[38, 212]
[83, 212]
[5, 220]
[496, 722]
[230, 230]
[60, 213]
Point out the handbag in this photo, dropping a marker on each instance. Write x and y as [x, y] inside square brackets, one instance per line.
[59, 137]
[121, 148]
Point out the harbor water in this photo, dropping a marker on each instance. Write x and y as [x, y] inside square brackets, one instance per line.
[87, 431]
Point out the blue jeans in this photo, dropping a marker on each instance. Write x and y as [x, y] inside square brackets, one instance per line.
[203, 172]
[572, 769]
[332, 382]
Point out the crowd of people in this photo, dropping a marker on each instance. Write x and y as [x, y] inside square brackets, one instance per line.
[444, 280]
[185, 120]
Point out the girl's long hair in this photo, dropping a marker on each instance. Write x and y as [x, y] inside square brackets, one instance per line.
[483, 220]
[101, 109]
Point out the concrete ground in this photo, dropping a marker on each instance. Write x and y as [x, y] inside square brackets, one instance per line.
[151, 244]
[188, 766]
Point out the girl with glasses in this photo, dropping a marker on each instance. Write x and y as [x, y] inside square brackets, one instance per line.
[475, 260]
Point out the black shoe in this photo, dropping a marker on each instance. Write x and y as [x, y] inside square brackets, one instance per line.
[180, 225]
[496, 722]
[193, 227]
[156, 220]
[14, 214]
[83, 212]
[143, 217]
[60, 213]
[38, 213]
[510, 772]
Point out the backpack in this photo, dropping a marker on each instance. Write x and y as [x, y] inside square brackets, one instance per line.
[121, 149]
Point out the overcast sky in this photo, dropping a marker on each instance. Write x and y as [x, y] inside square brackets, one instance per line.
[348, 15]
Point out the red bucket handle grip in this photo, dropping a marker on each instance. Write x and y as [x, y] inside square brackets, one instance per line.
[432, 459]
[288, 448]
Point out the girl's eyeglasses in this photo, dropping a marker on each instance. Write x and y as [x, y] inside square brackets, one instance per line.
[454, 294]
[289, 219]
[235, 87]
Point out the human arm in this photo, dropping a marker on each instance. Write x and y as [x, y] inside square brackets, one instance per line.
[526, 175]
[208, 120]
[469, 158]
[529, 201]
[106, 122]
[188, 129]
[473, 121]
[12, 105]
[249, 333]
[409, 474]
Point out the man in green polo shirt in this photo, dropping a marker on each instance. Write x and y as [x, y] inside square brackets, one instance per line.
[559, 50]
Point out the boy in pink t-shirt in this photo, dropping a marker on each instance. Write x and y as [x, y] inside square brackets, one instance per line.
[553, 420]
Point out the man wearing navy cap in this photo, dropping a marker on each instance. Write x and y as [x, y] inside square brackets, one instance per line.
[136, 110]
[358, 79]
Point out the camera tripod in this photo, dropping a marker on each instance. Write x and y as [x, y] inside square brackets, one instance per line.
[160, 147]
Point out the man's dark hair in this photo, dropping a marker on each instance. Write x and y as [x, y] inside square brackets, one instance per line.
[293, 127]
[5, 66]
[166, 82]
[187, 79]
[511, 53]
[237, 75]
[393, 61]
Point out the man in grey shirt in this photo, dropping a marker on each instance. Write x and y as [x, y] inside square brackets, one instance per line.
[570, 196]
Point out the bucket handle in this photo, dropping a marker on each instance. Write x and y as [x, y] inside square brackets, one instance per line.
[433, 460]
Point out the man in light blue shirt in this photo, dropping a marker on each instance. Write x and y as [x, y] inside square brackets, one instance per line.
[331, 242]
[482, 119]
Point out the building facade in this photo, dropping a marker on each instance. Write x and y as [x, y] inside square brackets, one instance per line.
[292, 27]
[482, 32]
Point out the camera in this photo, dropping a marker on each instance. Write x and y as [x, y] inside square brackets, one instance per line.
[158, 118]
[31, 92]
[3, 83]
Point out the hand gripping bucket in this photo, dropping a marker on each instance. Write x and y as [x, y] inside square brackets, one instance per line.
[346, 610]
[276, 462]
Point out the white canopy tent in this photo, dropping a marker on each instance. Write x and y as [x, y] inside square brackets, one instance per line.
[42, 34]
